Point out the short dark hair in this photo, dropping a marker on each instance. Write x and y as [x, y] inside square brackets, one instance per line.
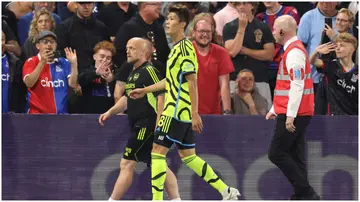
[181, 11]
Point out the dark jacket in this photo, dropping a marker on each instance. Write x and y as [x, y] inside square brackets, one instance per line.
[81, 35]
[98, 95]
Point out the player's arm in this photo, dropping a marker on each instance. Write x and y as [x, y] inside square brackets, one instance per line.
[197, 125]
[119, 90]
[119, 107]
[155, 87]
[295, 63]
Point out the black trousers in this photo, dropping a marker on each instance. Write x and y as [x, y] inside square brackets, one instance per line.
[287, 153]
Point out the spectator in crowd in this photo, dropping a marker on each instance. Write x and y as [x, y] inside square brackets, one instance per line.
[344, 23]
[224, 16]
[247, 99]
[20, 8]
[11, 44]
[97, 82]
[25, 21]
[13, 90]
[143, 25]
[310, 29]
[121, 11]
[274, 10]
[81, 32]
[342, 74]
[48, 78]
[214, 68]
[10, 18]
[251, 45]
[42, 20]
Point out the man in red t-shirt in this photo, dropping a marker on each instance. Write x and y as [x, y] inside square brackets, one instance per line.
[214, 68]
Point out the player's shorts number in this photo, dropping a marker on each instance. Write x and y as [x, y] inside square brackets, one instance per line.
[161, 121]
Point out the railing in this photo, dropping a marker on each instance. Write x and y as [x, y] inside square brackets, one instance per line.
[72, 158]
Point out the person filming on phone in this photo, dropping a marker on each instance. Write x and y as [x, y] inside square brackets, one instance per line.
[48, 76]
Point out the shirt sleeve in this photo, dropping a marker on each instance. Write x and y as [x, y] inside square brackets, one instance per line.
[188, 55]
[28, 67]
[304, 29]
[229, 32]
[226, 66]
[154, 76]
[67, 67]
[295, 64]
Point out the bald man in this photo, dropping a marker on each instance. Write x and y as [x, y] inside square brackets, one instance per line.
[142, 115]
[293, 107]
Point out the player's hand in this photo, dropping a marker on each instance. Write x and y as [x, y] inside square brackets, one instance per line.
[197, 125]
[326, 48]
[289, 124]
[103, 117]
[137, 93]
[270, 116]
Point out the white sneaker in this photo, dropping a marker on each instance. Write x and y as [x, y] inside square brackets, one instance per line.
[230, 193]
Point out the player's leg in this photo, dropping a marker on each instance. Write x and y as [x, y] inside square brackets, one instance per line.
[124, 179]
[200, 167]
[171, 186]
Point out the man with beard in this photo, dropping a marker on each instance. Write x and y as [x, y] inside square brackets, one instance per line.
[142, 115]
[214, 68]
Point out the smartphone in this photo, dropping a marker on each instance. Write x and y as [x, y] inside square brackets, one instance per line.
[326, 39]
[57, 54]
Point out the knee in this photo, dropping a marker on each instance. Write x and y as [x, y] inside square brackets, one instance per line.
[127, 165]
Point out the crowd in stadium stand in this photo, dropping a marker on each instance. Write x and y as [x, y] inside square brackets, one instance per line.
[70, 57]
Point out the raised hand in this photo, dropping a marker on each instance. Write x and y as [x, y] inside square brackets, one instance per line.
[243, 21]
[329, 31]
[103, 68]
[71, 55]
[326, 48]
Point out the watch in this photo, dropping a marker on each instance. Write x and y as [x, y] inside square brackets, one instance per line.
[227, 112]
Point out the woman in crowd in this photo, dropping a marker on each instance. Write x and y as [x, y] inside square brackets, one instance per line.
[42, 21]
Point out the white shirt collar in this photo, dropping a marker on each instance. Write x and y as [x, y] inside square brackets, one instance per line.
[294, 38]
[55, 60]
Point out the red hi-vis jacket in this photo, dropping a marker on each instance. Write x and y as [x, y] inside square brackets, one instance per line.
[283, 80]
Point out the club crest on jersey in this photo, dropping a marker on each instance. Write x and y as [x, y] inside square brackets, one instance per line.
[136, 76]
[354, 78]
[258, 35]
[58, 68]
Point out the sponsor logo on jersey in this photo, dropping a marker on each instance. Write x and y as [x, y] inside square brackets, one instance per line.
[5, 77]
[52, 84]
[349, 88]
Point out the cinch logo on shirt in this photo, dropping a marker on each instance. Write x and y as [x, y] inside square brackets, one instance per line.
[5, 77]
[54, 84]
[349, 88]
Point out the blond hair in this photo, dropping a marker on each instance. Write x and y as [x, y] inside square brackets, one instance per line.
[33, 31]
[347, 38]
[209, 17]
[350, 15]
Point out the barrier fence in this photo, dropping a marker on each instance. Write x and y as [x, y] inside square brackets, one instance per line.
[71, 157]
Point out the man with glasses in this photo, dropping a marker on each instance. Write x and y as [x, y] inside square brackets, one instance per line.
[214, 68]
[48, 76]
[144, 25]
